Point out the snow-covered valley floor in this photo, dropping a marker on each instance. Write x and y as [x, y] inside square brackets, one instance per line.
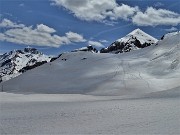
[92, 93]
[83, 114]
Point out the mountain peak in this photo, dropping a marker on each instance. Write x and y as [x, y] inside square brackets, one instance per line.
[133, 41]
[136, 31]
[12, 63]
[139, 32]
[88, 48]
[31, 50]
[139, 35]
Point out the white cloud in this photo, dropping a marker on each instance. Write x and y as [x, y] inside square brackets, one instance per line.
[103, 41]
[154, 17]
[124, 12]
[9, 24]
[109, 12]
[21, 5]
[171, 29]
[44, 28]
[41, 35]
[96, 10]
[29, 36]
[95, 43]
[75, 37]
[158, 4]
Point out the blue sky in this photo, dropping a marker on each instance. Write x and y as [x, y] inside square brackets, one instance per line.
[55, 26]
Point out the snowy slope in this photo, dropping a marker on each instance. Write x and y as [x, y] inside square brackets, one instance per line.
[170, 34]
[133, 41]
[152, 69]
[15, 62]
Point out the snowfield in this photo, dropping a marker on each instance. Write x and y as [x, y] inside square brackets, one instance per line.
[131, 116]
[91, 93]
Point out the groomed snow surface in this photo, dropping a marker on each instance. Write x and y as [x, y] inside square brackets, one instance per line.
[88, 93]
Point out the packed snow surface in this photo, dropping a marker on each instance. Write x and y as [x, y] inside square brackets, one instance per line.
[88, 93]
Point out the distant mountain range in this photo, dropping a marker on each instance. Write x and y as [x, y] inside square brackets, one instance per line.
[17, 62]
[153, 70]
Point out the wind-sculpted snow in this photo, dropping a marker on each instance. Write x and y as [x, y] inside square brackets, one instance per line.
[152, 69]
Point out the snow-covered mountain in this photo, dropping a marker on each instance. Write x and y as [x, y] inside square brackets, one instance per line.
[133, 41]
[89, 48]
[16, 62]
[146, 71]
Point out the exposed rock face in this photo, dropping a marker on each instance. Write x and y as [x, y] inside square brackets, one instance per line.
[135, 40]
[16, 62]
[89, 48]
